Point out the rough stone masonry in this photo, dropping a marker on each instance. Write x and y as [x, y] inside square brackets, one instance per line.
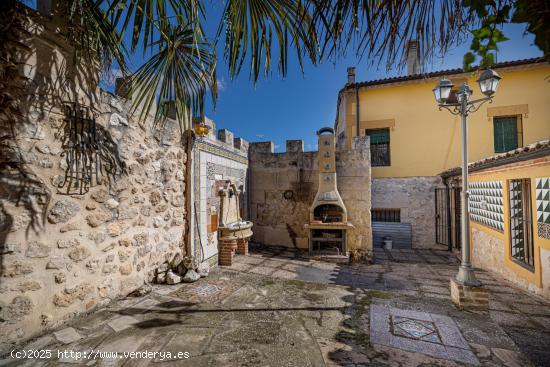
[282, 187]
[66, 254]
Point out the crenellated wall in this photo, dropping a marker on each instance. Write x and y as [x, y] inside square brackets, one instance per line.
[282, 187]
[66, 251]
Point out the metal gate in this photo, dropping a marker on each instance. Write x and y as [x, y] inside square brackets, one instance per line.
[442, 217]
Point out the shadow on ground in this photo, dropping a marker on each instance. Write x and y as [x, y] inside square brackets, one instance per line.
[277, 308]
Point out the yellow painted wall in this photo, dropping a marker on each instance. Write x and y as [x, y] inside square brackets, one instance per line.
[532, 170]
[426, 141]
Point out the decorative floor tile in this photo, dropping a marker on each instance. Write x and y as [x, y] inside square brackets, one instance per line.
[207, 290]
[415, 331]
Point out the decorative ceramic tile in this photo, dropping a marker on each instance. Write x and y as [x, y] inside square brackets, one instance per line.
[415, 331]
[213, 169]
[543, 200]
[544, 230]
[206, 290]
[486, 204]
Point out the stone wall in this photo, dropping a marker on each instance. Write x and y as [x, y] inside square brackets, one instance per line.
[282, 187]
[415, 197]
[65, 253]
[489, 253]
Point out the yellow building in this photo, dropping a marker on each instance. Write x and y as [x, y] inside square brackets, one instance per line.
[412, 141]
[510, 214]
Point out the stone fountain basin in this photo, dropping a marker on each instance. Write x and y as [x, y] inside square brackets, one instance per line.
[242, 224]
[240, 229]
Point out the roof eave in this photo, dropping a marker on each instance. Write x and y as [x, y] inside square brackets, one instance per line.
[448, 72]
[497, 162]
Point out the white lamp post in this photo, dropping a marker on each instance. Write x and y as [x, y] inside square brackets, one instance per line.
[488, 83]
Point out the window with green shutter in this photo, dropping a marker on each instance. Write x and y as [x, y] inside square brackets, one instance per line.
[379, 146]
[505, 133]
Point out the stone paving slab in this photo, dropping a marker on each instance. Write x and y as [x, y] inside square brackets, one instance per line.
[122, 322]
[67, 335]
[446, 342]
[307, 313]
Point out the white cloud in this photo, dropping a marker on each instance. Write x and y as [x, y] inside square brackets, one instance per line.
[221, 84]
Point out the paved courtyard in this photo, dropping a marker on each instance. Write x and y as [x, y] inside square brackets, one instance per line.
[278, 308]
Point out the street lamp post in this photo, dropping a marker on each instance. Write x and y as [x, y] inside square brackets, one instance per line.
[488, 83]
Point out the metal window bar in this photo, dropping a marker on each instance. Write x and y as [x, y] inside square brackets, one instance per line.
[380, 154]
[379, 146]
[386, 215]
[521, 221]
[442, 216]
[80, 149]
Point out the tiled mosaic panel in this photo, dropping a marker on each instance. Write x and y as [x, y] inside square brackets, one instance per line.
[544, 230]
[415, 329]
[486, 204]
[543, 200]
[421, 332]
[213, 169]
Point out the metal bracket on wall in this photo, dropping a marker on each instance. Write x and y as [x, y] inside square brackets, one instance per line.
[81, 149]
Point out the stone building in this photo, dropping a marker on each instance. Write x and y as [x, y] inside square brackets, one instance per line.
[412, 141]
[93, 199]
[509, 215]
[283, 186]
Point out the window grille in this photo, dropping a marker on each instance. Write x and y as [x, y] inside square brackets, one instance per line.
[521, 221]
[379, 146]
[386, 215]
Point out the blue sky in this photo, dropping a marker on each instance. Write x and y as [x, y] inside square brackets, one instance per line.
[278, 109]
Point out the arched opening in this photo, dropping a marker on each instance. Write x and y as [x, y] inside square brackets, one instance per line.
[328, 213]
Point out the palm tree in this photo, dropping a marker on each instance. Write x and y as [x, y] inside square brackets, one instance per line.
[181, 67]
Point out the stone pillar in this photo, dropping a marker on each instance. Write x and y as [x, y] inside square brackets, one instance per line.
[467, 297]
[242, 246]
[226, 251]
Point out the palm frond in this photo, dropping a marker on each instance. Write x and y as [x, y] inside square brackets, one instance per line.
[256, 27]
[146, 17]
[178, 76]
[380, 29]
[94, 36]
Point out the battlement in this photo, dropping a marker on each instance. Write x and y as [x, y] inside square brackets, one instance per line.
[297, 146]
[262, 147]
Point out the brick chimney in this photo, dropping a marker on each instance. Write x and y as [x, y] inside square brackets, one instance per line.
[351, 75]
[413, 58]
